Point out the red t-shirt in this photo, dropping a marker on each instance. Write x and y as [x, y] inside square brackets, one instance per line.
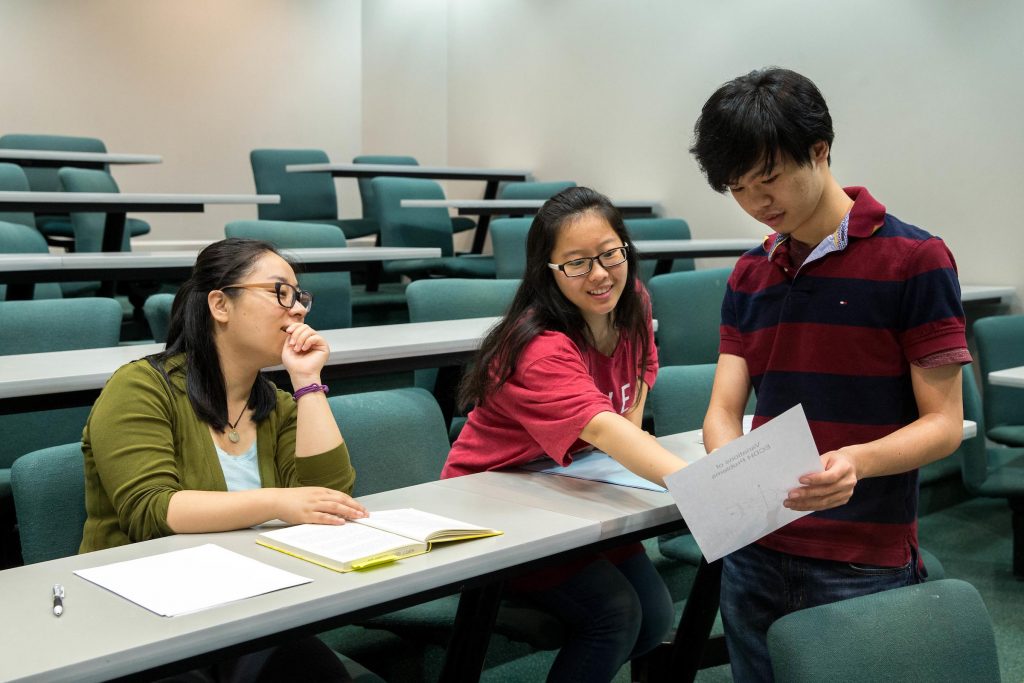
[555, 390]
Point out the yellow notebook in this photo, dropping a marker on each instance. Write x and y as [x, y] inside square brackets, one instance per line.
[384, 536]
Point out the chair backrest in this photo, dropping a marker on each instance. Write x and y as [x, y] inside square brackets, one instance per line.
[533, 189]
[157, 310]
[396, 438]
[13, 179]
[999, 347]
[58, 325]
[934, 631]
[405, 227]
[688, 308]
[508, 238]
[366, 187]
[88, 227]
[973, 453]
[455, 299]
[659, 229]
[42, 179]
[680, 397]
[49, 499]
[304, 196]
[332, 292]
[19, 239]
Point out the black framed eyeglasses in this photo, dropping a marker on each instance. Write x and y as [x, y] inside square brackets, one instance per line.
[583, 265]
[287, 294]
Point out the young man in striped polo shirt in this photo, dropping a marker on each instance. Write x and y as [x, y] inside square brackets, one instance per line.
[848, 311]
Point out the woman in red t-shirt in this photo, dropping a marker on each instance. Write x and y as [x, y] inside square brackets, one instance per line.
[567, 368]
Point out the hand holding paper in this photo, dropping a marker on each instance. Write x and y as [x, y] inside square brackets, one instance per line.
[735, 495]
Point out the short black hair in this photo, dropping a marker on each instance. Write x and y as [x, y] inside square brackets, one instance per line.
[753, 119]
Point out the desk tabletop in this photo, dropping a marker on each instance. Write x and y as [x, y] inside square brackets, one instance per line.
[72, 158]
[121, 199]
[986, 292]
[36, 374]
[512, 206]
[102, 635]
[1010, 377]
[731, 246]
[409, 171]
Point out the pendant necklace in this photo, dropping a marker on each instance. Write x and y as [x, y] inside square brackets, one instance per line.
[233, 434]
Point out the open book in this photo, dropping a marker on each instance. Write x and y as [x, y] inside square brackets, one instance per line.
[384, 536]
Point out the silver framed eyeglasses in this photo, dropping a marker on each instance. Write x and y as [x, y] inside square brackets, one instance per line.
[287, 294]
[584, 264]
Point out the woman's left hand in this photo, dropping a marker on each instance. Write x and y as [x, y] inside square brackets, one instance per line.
[305, 352]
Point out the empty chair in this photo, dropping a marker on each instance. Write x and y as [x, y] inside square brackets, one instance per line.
[419, 227]
[1000, 342]
[16, 238]
[993, 472]
[508, 239]
[459, 223]
[533, 189]
[49, 497]
[158, 315]
[88, 227]
[659, 229]
[57, 227]
[13, 179]
[332, 292]
[688, 308]
[305, 197]
[934, 631]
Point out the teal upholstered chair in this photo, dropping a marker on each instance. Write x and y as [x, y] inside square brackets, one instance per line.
[57, 227]
[16, 238]
[49, 497]
[994, 472]
[158, 315]
[533, 189]
[332, 292]
[418, 227]
[1000, 341]
[659, 229]
[934, 631]
[680, 397]
[88, 227]
[508, 239]
[305, 197]
[688, 308]
[13, 179]
[459, 223]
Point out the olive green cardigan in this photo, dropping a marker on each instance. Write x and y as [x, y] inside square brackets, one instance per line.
[143, 443]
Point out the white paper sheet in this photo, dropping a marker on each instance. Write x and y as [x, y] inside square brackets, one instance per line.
[192, 579]
[595, 466]
[734, 496]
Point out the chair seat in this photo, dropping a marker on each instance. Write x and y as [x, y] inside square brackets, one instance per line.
[450, 266]
[1008, 435]
[5, 483]
[351, 227]
[1005, 475]
[61, 227]
[462, 223]
[682, 547]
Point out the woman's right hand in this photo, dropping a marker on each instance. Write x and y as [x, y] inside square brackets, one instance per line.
[316, 505]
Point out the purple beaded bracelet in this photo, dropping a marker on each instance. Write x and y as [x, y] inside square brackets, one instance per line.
[309, 389]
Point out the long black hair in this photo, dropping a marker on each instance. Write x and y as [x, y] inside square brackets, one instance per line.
[539, 305]
[190, 332]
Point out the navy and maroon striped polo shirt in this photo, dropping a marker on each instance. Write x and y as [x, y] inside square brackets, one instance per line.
[838, 334]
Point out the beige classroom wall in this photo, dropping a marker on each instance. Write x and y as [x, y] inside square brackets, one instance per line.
[201, 83]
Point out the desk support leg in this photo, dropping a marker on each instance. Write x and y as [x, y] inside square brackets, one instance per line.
[663, 265]
[474, 621]
[695, 625]
[113, 232]
[484, 221]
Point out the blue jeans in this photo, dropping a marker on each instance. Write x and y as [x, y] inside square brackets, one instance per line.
[760, 585]
[611, 612]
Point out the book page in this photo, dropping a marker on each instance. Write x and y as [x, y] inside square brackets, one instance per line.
[419, 525]
[342, 544]
[732, 497]
[188, 580]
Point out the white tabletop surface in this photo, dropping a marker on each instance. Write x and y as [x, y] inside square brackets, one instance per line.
[81, 157]
[656, 246]
[976, 292]
[116, 198]
[88, 369]
[1010, 377]
[101, 635]
[510, 204]
[411, 170]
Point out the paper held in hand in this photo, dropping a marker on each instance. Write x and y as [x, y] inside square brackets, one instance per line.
[734, 496]
[384, 536]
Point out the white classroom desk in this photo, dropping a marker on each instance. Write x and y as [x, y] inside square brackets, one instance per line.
[101, 635]
[58, 158]
[985, 293]
[1010, 377]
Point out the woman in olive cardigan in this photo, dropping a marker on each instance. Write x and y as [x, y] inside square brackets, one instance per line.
[194, 439]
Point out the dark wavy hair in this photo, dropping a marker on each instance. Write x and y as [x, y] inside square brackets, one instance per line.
[539, 305]
[753, 119]
[191, 330]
